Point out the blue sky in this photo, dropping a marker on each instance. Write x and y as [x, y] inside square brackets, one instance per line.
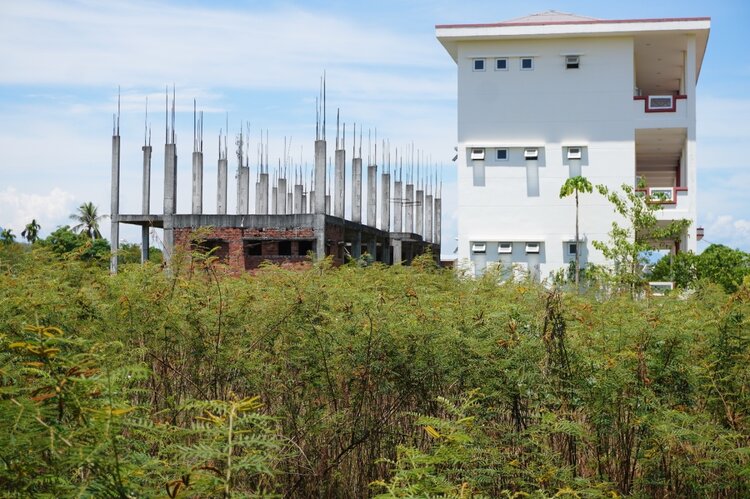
[61, 63]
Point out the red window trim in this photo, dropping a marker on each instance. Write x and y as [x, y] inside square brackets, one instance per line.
[672, 109]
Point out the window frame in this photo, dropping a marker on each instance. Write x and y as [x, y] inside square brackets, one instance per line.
[499, 150]
[474, 62]
[572, 65]
[497, 62]
[533, 248]
[504, 248]
[531, 67]
[479, 248]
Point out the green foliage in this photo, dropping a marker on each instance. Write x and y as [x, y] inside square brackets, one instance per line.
[88, 219]
[717, 264]
[574, 185]
[352, 382]
[31, 231]
[7, 237]
[631, 244]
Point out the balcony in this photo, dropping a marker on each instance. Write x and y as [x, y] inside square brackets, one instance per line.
[660, 111]
[671, 199]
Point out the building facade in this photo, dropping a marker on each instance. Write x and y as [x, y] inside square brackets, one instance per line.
[552, 96]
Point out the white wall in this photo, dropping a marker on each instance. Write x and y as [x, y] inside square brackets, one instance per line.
[549, 107]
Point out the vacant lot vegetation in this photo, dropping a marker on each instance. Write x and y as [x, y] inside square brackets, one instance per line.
[355, 382]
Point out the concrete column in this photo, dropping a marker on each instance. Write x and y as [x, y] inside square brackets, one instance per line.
[256, 211]
[298, 199]
[357, 190]
[357, 245]
[438, 219]
[372, 195]
[319, 228]
[170, 197]
[396, 245]
[385, 210]
[289, 203]
[338, 183]
[304, 203]
[221, 188]
[263, 194]
[274, 199]
[311, 199]
[243, 186]
[428, 225]
[197, 183]
[372, 248]
[419, 215]
[146, 201]
[398, 206]
[115, 203]
[328, 204]
[409, 208]
[320, 176]
[281, 197]
[691, 78]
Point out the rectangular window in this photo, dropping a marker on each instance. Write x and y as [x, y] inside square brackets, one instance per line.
[574, 153]
[572, 61]
[285, 248]
[502, 155]
[527, 63]
[531, 153]
[477, 154]
[572, 248]
[532, 247]
[505, 248]
[479, 248]
[501, 64]
[254, 248]
[478, 64]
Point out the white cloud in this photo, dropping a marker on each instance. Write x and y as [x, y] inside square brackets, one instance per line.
[728, 230]
[50, 210]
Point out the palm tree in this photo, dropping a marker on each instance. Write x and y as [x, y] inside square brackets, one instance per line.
[7, 237]
[31, 232]
[575, 185]
[88, 220]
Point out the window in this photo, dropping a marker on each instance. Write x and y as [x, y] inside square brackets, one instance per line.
[531, 153]
[572, 248]
[532, 247]
[574, 153]
[505, 248]
[478, 64]
[572, 61]
[502, 155]
[285, 248]
[527, 63]
[477, 154]
[304, 247]
[479, 248]
[254, 248]
[501, 64]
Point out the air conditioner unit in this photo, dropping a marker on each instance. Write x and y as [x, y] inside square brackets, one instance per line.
[531, 153]
[532, 247]
[478, 247]
[505, 248]
[477, 154]
[574, 152]
[660, 102]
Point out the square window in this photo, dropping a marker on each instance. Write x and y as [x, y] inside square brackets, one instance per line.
[527, 63]
[501, 64]
[478, 64]
[572, 61]
[502, 155]
[572, 248]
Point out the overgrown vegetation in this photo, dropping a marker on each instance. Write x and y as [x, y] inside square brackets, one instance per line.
[356, 382]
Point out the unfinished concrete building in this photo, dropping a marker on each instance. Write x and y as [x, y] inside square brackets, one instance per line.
[292, 219]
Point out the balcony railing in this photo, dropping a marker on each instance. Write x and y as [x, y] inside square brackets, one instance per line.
[659, 103]
[663, 195]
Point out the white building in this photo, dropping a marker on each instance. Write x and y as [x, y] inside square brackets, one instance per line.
[553, 95]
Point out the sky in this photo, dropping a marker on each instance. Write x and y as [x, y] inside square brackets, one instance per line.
[260, 62]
